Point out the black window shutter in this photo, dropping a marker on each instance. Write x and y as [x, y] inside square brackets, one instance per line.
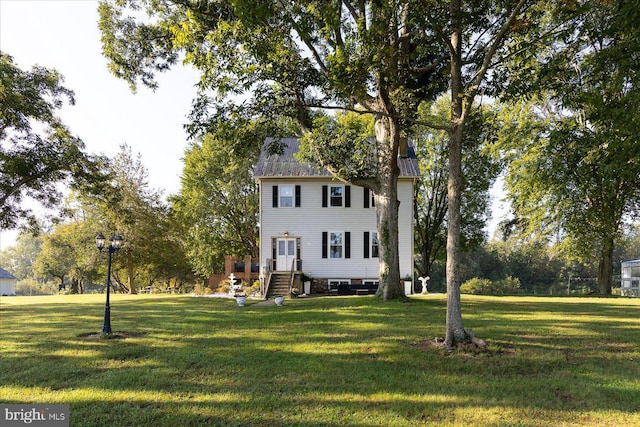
[366, 244]
[325, 238]
[274, 253]
[298, 196]
[347, 244]
[347, 196]
[367, 196]
[325, 195]
[275, 196]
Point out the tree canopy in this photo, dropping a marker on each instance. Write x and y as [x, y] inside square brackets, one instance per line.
[217, 205]
[293, 57]
[480, 168]
[37, 150]
[580, 174]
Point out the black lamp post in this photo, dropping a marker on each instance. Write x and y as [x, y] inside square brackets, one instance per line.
[115, 242]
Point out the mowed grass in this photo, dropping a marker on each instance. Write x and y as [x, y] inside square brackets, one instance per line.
[335, 361]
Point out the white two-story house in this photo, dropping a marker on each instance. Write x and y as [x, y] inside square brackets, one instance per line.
[314, 226]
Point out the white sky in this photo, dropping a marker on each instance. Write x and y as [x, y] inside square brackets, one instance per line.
[64, 35]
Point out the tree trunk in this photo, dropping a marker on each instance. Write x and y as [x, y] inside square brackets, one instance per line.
[605, 268]
[130, 284]
[455, 332]
[75, 288]
[386, 197]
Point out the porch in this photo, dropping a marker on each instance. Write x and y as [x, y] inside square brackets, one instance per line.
[246, 269]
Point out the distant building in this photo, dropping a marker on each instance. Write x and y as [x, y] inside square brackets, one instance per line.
[630, 278]
[7, 283]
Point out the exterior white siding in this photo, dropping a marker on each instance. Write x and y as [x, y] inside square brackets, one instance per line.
[7, 286]
[310, 220]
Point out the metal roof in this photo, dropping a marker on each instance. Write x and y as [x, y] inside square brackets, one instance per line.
[286, 165]
[4, 274]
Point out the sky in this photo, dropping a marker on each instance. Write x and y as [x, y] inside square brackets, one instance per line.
[64, 35]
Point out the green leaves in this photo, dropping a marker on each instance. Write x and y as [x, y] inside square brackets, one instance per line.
[344, 144]
[32, 161]
[218, 201]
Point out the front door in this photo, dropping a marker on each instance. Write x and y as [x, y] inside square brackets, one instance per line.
[286, 249]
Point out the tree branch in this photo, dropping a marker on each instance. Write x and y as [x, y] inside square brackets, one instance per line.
[474, 84]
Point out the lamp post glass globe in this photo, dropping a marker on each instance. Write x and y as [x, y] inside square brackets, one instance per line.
[100, 241]
[115, 243]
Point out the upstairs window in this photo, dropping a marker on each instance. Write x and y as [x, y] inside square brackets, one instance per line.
[336, 196]
[286, 196]
[369, 198]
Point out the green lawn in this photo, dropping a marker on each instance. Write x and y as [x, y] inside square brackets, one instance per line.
[337, 361]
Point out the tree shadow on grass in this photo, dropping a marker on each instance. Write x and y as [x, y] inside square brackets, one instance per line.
[336, 361]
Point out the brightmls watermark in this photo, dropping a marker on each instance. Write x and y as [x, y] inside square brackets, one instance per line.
[34, 415]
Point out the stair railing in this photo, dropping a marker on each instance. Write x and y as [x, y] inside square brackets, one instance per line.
[293, 264]
[267, 283]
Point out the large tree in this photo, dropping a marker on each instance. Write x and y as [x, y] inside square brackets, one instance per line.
[19, 259]
[37, 151]
[378, 58]
[67, 254]
[582, 175]
[480, 168]
[474, 35]
[218, 201]
[128, 206]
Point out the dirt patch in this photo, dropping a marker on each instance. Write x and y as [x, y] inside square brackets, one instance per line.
[468, 349]
[95, 336]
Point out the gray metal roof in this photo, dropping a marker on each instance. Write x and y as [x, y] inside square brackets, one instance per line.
[4, 274]
[286, 165]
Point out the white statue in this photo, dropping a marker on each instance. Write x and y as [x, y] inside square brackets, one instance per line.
[234, 290]
[424, 281]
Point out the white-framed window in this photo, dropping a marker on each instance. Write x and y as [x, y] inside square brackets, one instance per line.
[375, 244]
[371, 282]
[336, 194]
[336, 244]
[369, 198]
[286, 196]
[371, 244]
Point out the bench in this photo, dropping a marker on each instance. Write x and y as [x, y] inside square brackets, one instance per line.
[357, 289]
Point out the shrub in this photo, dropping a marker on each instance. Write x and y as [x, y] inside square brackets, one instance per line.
[508, 286]
[200, 289]
[224, 287]
[477, 286]
[255, 288]
[31, 286]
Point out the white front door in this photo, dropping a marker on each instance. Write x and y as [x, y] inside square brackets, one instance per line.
[286, 249]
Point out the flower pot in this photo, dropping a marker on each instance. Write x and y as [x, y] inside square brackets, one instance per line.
[241, 300]
[408, 287]
[279, 300]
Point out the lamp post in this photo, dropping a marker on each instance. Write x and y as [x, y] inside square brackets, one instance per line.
[115, 242]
